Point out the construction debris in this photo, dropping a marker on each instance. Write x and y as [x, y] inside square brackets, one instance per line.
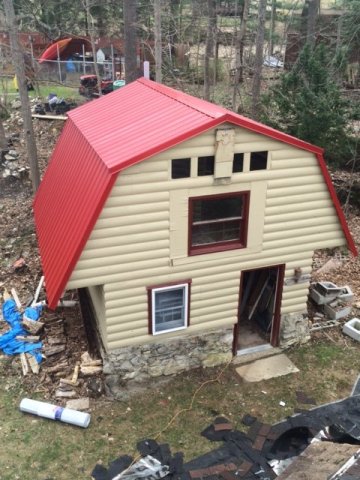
[263, 452]
[335, 303]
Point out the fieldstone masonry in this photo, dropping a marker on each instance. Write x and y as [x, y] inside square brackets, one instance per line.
[294, 328]
[143, 362]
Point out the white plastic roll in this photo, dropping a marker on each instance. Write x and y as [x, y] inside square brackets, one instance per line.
[55, 412]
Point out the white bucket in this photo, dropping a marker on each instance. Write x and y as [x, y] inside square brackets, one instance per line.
[55, 412]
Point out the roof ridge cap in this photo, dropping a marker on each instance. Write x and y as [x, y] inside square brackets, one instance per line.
[152, 85]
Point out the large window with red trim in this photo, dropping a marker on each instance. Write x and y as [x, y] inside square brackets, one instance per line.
[218, 222]
[169, 308]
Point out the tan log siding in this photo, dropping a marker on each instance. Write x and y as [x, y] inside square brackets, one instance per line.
[97, 299]
[129, 247]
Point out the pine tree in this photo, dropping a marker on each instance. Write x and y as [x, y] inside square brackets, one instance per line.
[307, 103]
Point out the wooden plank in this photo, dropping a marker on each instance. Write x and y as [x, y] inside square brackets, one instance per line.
[16, 298]
[28, 338]
[35, 367]
[49, 117]
[36, 296]
[24, 364]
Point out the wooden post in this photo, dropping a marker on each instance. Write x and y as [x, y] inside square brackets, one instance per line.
[58, 62]
[83, 55]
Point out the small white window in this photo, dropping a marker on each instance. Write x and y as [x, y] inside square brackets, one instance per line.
[169, 308]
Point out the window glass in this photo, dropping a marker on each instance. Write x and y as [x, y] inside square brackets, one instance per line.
[218, 221]
[180, 168]
[258, 160]
[238, 162]
[169, 308]
[206, 166]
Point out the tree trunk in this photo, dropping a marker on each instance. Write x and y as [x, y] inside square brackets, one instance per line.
[3, 142]
[272, 27]
[129, 11]
[259, 58]
[209, 48]
[19, 65]
[312, 15]
[158, 41]
[91, 28]
[239, 44]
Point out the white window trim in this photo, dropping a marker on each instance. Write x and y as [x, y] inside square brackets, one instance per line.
[186, 307]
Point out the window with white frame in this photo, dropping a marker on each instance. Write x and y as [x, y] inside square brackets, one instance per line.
[169, 308]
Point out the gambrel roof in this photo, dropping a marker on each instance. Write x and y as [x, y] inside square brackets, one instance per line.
[105, 136]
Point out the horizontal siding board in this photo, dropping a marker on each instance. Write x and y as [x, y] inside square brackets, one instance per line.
[282, 191]
[127, 262]
[290, 163]
[130, 249]
[312, 197]
[285, 214]
[293, 309]
[115, 343]
[292, 234]
[121, 239]
[142, 227]
[322, 207]
[128, 220]
[290, 226]
[161, 274]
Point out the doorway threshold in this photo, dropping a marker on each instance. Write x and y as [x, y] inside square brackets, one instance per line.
[256, 349]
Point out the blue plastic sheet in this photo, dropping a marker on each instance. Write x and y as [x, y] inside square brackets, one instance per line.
[33, 312]
[10, 312]
[8, 343]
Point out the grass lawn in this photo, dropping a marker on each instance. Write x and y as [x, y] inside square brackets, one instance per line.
[36, 448]
[7, 87]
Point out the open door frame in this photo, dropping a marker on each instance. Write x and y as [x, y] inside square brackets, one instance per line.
[275, 329]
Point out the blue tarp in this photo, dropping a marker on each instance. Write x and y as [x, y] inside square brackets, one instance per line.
[8, 343]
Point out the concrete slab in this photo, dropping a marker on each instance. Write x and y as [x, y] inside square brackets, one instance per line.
[271, 367]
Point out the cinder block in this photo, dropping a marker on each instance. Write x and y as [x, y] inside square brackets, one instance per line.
[352, 328]
[346, 295]
[324, 292]
[337, 312]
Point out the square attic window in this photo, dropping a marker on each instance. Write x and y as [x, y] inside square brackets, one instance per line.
[206, 166]
[180, 168]
[238, 162]
[258, 160]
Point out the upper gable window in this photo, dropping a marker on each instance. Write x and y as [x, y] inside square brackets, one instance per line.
[238, 162]
[180, 168]
[258, 160]
[206, 165]
[218, 222]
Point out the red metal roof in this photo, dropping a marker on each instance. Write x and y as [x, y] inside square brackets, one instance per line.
[105, 136]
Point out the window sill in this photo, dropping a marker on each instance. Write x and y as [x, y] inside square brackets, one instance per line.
[216, 255]
[216, 248]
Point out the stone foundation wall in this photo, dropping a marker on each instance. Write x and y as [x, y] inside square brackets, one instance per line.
[168, 357]
[294, 328]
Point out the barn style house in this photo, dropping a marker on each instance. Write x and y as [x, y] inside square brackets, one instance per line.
[188, 228]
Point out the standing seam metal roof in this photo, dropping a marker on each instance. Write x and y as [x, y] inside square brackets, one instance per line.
[105, 136]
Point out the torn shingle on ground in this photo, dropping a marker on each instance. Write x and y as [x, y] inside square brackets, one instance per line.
[264, 452]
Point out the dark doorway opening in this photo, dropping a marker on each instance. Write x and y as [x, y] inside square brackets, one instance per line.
[259, 309]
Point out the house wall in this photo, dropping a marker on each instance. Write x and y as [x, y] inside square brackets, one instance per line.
[140, 238]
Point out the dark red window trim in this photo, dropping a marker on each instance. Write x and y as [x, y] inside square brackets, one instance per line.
[164, 285]
[220, 246]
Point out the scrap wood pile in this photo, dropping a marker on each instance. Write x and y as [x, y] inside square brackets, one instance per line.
[51, 349]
